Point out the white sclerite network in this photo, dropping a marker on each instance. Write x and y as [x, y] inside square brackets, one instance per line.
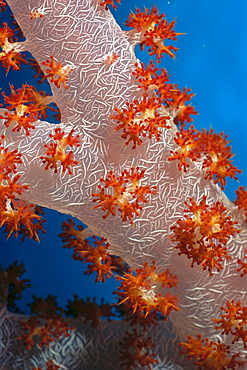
[80, 33]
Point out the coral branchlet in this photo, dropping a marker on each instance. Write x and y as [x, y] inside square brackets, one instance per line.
[73, 238]
[97, 257]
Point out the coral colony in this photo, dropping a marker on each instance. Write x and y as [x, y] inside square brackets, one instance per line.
[127, 161]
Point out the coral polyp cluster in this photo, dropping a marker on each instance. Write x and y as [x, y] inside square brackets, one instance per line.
[211, 355]
[203, 237]
[140, 119]
[24, 106]
[127, 194]
[139, 291]
[17, 215]
[56, 152]
[154, 29]
[211, 148]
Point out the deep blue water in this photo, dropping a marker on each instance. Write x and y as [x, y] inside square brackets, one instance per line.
[212, 60]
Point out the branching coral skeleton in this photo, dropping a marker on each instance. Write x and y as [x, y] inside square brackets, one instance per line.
[93, 73]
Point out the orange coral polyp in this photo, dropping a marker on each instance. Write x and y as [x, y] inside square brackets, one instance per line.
[26, 105]
[73, 237]
[154, 38]
[186, 140]
[127, 193]
[241, 201]
[47, 333]
[154, 30]
[203, 237]
[40, 101]
[173, 99]
[98, 259]
[142, 118]
[6, 34]
[106, 3]
[138, 291]
[137, 351]
[22, 112]
[9, 187]
[233, 321]
[243, 266]
[145, 75]
[12, 59]
[9, 56]
[210, 354]
[218, 161]
[142, 21]
[18, 213]
[56, 152]
[58, 73]
[211, 148]
[8, 159]
[176, 100]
